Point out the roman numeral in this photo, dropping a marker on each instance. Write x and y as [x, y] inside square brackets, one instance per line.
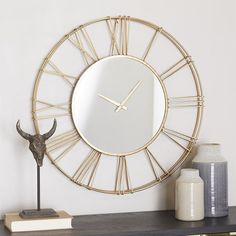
[151, 43]
[87, 168]
[81, 40]
[54, 70]
[176, 67]
[122, 181]
[155, 165]
[185, 102]
[64, 142]
[63, 107]
[119, 32]
[176, 136]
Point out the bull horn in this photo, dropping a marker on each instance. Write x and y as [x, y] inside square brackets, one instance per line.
[51, 131]
[21, 132]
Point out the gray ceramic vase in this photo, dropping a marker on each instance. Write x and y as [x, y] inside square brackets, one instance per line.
[213, 170]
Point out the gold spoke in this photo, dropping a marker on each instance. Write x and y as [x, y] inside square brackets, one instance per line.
[151, 43]
[153, 162]
[47, 107]
[122, 181]
[62, 140]
[185, 102]
[174, 136]
[71, 80]
[176, 67]
[119, 33]
[79, 39]
[88, 167]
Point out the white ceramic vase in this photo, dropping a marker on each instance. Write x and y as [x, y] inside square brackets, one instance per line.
[189, 196]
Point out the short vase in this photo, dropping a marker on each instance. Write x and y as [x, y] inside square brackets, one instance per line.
[189, 196]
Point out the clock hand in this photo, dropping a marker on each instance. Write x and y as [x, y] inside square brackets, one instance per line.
[128, 96]
[112, 101]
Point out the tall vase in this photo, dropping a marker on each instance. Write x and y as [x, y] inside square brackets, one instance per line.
[213, 170]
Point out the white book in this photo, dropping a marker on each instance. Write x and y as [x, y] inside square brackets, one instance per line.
[16, 224]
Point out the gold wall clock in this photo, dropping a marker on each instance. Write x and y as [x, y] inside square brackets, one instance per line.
[128, 102]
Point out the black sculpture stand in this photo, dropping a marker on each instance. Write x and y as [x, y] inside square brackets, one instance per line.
[35, 214]
[39, 213]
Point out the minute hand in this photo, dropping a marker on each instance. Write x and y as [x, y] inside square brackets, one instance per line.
[128, 96]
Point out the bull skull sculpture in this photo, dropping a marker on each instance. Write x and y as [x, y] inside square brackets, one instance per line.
[37, 142]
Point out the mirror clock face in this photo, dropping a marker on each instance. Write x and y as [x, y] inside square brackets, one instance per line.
[128, 103]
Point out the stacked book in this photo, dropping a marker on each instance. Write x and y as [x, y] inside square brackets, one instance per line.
[15, 223]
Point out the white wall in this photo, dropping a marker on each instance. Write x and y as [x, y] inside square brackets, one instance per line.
[28, 29]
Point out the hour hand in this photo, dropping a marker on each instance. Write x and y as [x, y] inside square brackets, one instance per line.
[112, 101]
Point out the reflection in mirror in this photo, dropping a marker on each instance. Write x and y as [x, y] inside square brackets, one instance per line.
[118, 105]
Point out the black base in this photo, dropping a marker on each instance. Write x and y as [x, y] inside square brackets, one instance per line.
[35, 214]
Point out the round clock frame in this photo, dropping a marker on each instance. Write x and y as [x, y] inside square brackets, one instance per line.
[118, 29]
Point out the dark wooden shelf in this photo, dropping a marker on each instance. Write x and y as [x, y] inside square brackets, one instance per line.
[138, 224]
